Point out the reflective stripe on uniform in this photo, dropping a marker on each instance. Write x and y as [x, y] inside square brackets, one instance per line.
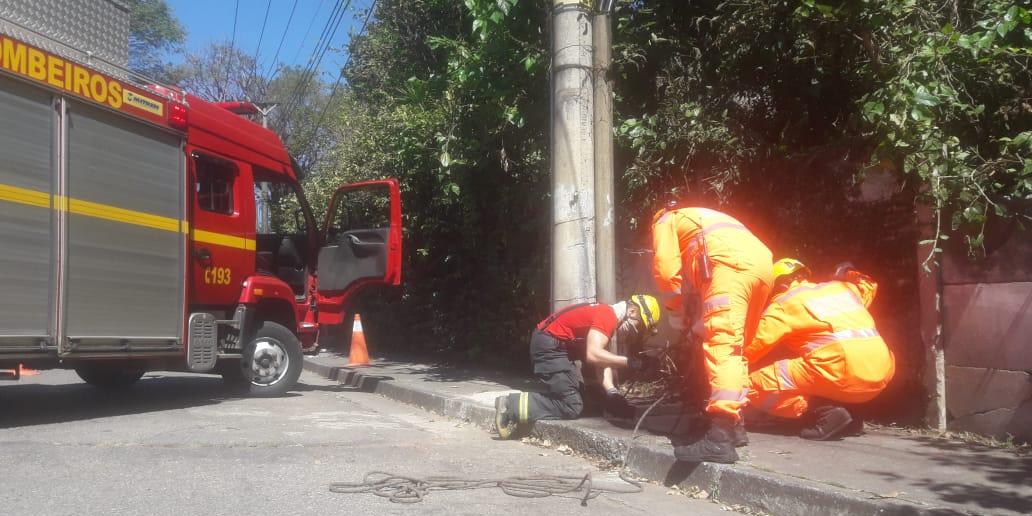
[784, 376]
[833, 305]
[729, 395]
[709, 228]
[840, 336]
[524, 416]
[714, 303]
[802, 289]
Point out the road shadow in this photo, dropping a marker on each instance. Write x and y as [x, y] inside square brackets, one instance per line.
[1007, 476]
[30, 404]
[446, 372]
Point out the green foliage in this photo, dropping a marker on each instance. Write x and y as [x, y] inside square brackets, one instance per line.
[717, 94]
[221, 73]
[153, 32]
[775, 107]
[953, 105]
[451, 98]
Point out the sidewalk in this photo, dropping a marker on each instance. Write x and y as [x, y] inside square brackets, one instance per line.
[880, 472]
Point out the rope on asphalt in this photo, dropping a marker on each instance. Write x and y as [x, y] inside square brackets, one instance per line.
[405, 489]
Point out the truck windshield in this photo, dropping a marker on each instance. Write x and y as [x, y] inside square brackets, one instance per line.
[278, 209]
[283, 244]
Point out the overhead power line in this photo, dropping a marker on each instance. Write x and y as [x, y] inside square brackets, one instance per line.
[327, 28]
[307, 31]
[279, 47]
[236, 14]
[340, 77]
[261, 35]
[294, 100]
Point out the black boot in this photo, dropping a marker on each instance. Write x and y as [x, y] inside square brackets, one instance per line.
[827, 422]
[740, 437]
[717, 445]
[853, 429]
[506, 421]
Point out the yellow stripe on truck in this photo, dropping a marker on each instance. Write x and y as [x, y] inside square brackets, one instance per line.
[39, 199]
[207, 237]
[103, 211]
[24, 196]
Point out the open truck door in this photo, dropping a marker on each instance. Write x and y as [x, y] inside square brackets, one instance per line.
[362, 236]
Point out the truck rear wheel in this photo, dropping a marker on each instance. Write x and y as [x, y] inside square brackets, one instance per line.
[272, 362]
[108, 377]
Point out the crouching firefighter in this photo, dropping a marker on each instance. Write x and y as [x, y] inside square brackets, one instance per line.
[836, 353]
[578, 332]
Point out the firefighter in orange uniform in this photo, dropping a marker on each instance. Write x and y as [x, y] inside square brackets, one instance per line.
[839, 355]
[709, 259]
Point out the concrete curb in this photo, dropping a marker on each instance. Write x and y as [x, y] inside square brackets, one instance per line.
[770, 492]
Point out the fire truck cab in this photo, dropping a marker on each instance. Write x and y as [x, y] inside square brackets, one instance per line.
[142, 228]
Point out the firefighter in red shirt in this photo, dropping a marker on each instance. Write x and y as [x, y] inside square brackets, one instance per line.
[579, 332]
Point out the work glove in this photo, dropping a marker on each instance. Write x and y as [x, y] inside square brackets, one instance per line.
[847, 272]
[642, 363]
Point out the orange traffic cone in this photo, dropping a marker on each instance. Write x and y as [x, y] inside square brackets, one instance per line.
[25, 371]
[359, 355]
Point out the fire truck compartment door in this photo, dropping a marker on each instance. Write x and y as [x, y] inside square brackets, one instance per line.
[27, 152]
[363, 238]
[125, 238]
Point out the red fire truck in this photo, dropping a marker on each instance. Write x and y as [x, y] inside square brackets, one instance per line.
[142, 229]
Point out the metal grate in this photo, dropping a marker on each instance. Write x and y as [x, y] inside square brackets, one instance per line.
[202, 347]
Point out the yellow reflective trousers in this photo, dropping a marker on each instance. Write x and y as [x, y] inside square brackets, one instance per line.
[839, 354]
[732, 296]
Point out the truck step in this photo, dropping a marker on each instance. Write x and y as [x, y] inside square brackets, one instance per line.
[203, 344]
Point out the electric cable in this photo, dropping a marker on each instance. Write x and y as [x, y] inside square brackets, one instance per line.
[324, 37]
[294, 99]
[261, 34]
[308, 31]
[283, 37]
[336, 84]
[236, 14]
[406, 489]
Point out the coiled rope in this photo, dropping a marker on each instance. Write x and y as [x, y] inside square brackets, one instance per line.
[405, 489]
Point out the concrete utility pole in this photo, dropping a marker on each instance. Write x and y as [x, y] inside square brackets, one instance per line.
[573, 173]
[263, 199]
[605, 234]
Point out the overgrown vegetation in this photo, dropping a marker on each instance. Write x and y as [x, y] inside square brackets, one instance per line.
[776, 108]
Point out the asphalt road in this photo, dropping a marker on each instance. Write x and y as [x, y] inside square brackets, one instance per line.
[182, 444]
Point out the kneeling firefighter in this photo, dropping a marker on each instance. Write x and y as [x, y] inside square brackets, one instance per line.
[578, 332]
[838, 354]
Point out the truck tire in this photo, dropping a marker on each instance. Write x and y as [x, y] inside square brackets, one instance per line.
[274, 360]
[108, 377]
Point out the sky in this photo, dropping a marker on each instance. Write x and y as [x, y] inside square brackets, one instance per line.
[208, 21]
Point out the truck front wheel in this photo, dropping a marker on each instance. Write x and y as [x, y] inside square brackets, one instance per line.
[108, 377]
[272, 362]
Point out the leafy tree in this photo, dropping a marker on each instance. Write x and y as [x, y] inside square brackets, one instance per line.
[222, 73]
[776, 110]
[153, 33]
[452, 99]
[936, 91]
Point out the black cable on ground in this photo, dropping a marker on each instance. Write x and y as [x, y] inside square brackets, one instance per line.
[404, 489]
